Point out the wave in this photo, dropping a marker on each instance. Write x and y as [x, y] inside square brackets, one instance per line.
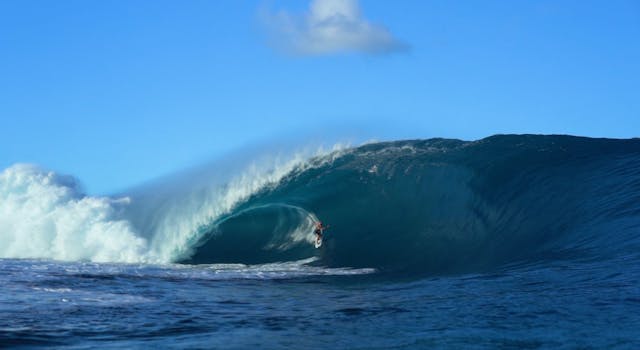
[433, 206]
[447, 205]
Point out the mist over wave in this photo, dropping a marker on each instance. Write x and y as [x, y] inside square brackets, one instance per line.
[47, 215]
[432, 206]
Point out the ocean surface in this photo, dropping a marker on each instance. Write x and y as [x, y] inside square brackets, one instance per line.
[510, 242]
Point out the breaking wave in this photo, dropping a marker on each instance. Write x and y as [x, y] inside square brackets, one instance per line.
[432, 206]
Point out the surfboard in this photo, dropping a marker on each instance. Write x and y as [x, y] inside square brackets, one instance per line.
[318, 242]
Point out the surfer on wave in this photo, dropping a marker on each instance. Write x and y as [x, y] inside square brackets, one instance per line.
[319, 230]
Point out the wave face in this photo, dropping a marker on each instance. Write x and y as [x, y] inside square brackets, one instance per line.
[439, 206]
[428, 206]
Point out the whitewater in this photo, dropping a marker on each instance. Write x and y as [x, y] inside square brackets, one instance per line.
[512, 241]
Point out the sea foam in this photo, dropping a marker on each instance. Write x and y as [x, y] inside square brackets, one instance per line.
[46, 215]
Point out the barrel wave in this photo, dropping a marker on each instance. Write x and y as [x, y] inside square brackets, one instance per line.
[441, 206]
[431, 206]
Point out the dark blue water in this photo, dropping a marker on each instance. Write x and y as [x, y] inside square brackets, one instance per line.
[507, 242]
[553, 305]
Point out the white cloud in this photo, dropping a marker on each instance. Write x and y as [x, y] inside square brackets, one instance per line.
[330, 27]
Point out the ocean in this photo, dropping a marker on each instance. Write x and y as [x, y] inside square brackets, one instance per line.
[509, 242]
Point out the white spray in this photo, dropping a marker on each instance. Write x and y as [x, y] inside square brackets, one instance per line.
[44, 215]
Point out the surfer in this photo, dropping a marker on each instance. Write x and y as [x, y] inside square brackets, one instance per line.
[319, 231]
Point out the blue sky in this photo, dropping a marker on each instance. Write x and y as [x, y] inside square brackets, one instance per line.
[117, 92]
